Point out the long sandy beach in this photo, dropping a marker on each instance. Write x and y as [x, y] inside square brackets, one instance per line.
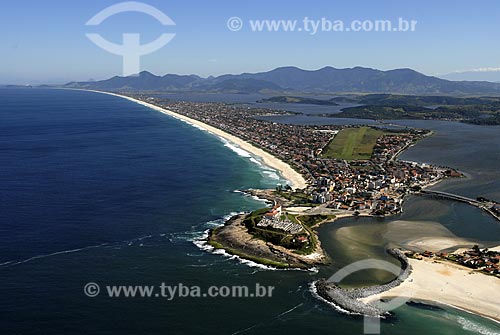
[295, 178]
[449, 284]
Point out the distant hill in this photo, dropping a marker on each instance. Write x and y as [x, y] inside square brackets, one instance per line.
[299, 100]
[293, 79]
[144, 81]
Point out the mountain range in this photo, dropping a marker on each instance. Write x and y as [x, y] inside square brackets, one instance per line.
[293, 79]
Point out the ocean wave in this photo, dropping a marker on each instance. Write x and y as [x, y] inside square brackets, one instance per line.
[197, 127]
[472, 326]
[201, 241]
[271, 174]
[236, 148]
[266, 170]
[186, 236]
[200, 231]
[69, 251]
[290, 310]
[254, 197]
[253, 160]
[240, 260]
[115, 245]
[188, 122]
[314, 292]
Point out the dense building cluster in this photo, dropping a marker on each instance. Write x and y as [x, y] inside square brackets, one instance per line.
[484, 260]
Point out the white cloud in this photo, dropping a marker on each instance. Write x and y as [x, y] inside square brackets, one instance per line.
[481, 69]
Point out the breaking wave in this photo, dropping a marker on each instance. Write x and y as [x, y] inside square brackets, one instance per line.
[476, 327]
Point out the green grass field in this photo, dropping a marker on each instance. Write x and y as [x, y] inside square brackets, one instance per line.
[353, 144]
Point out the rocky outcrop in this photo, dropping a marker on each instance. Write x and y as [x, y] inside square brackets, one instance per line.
[235, 239]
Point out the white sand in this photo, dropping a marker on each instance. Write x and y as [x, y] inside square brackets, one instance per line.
[423, 235]
[295, 178]
[449, 284]
[439, 243]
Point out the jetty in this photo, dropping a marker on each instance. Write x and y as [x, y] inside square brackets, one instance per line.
[349, 299]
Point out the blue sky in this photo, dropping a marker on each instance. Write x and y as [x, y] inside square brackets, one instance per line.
[44, 41]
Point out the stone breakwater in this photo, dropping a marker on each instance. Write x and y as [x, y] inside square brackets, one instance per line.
[347, 299]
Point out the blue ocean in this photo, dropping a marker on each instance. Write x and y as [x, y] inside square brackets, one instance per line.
[95, 188]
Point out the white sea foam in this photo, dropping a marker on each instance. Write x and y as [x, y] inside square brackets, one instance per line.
[476, 327]
[267, 170]
[201, 241]
[271, 174]
[236, 149]
[198, 127]
[254, 197]
[12, 263]
[240, 260]
[314, 292]
[290, 310]
[253, 160]
[313, 269]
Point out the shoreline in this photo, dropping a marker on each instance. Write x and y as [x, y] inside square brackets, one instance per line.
[296, 180]
[444, 283]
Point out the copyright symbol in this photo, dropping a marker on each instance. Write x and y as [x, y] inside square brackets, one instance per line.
[91, 290]
[234, 23]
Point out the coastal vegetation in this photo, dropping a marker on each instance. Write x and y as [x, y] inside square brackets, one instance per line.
[314, 219]
[474, 110]
[241, 236]
[304, 242]
[260, 260]
[297, 197]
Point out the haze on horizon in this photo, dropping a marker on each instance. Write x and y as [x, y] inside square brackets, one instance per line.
[45, 42]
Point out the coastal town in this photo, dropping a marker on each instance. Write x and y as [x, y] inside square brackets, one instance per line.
[375, 185]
